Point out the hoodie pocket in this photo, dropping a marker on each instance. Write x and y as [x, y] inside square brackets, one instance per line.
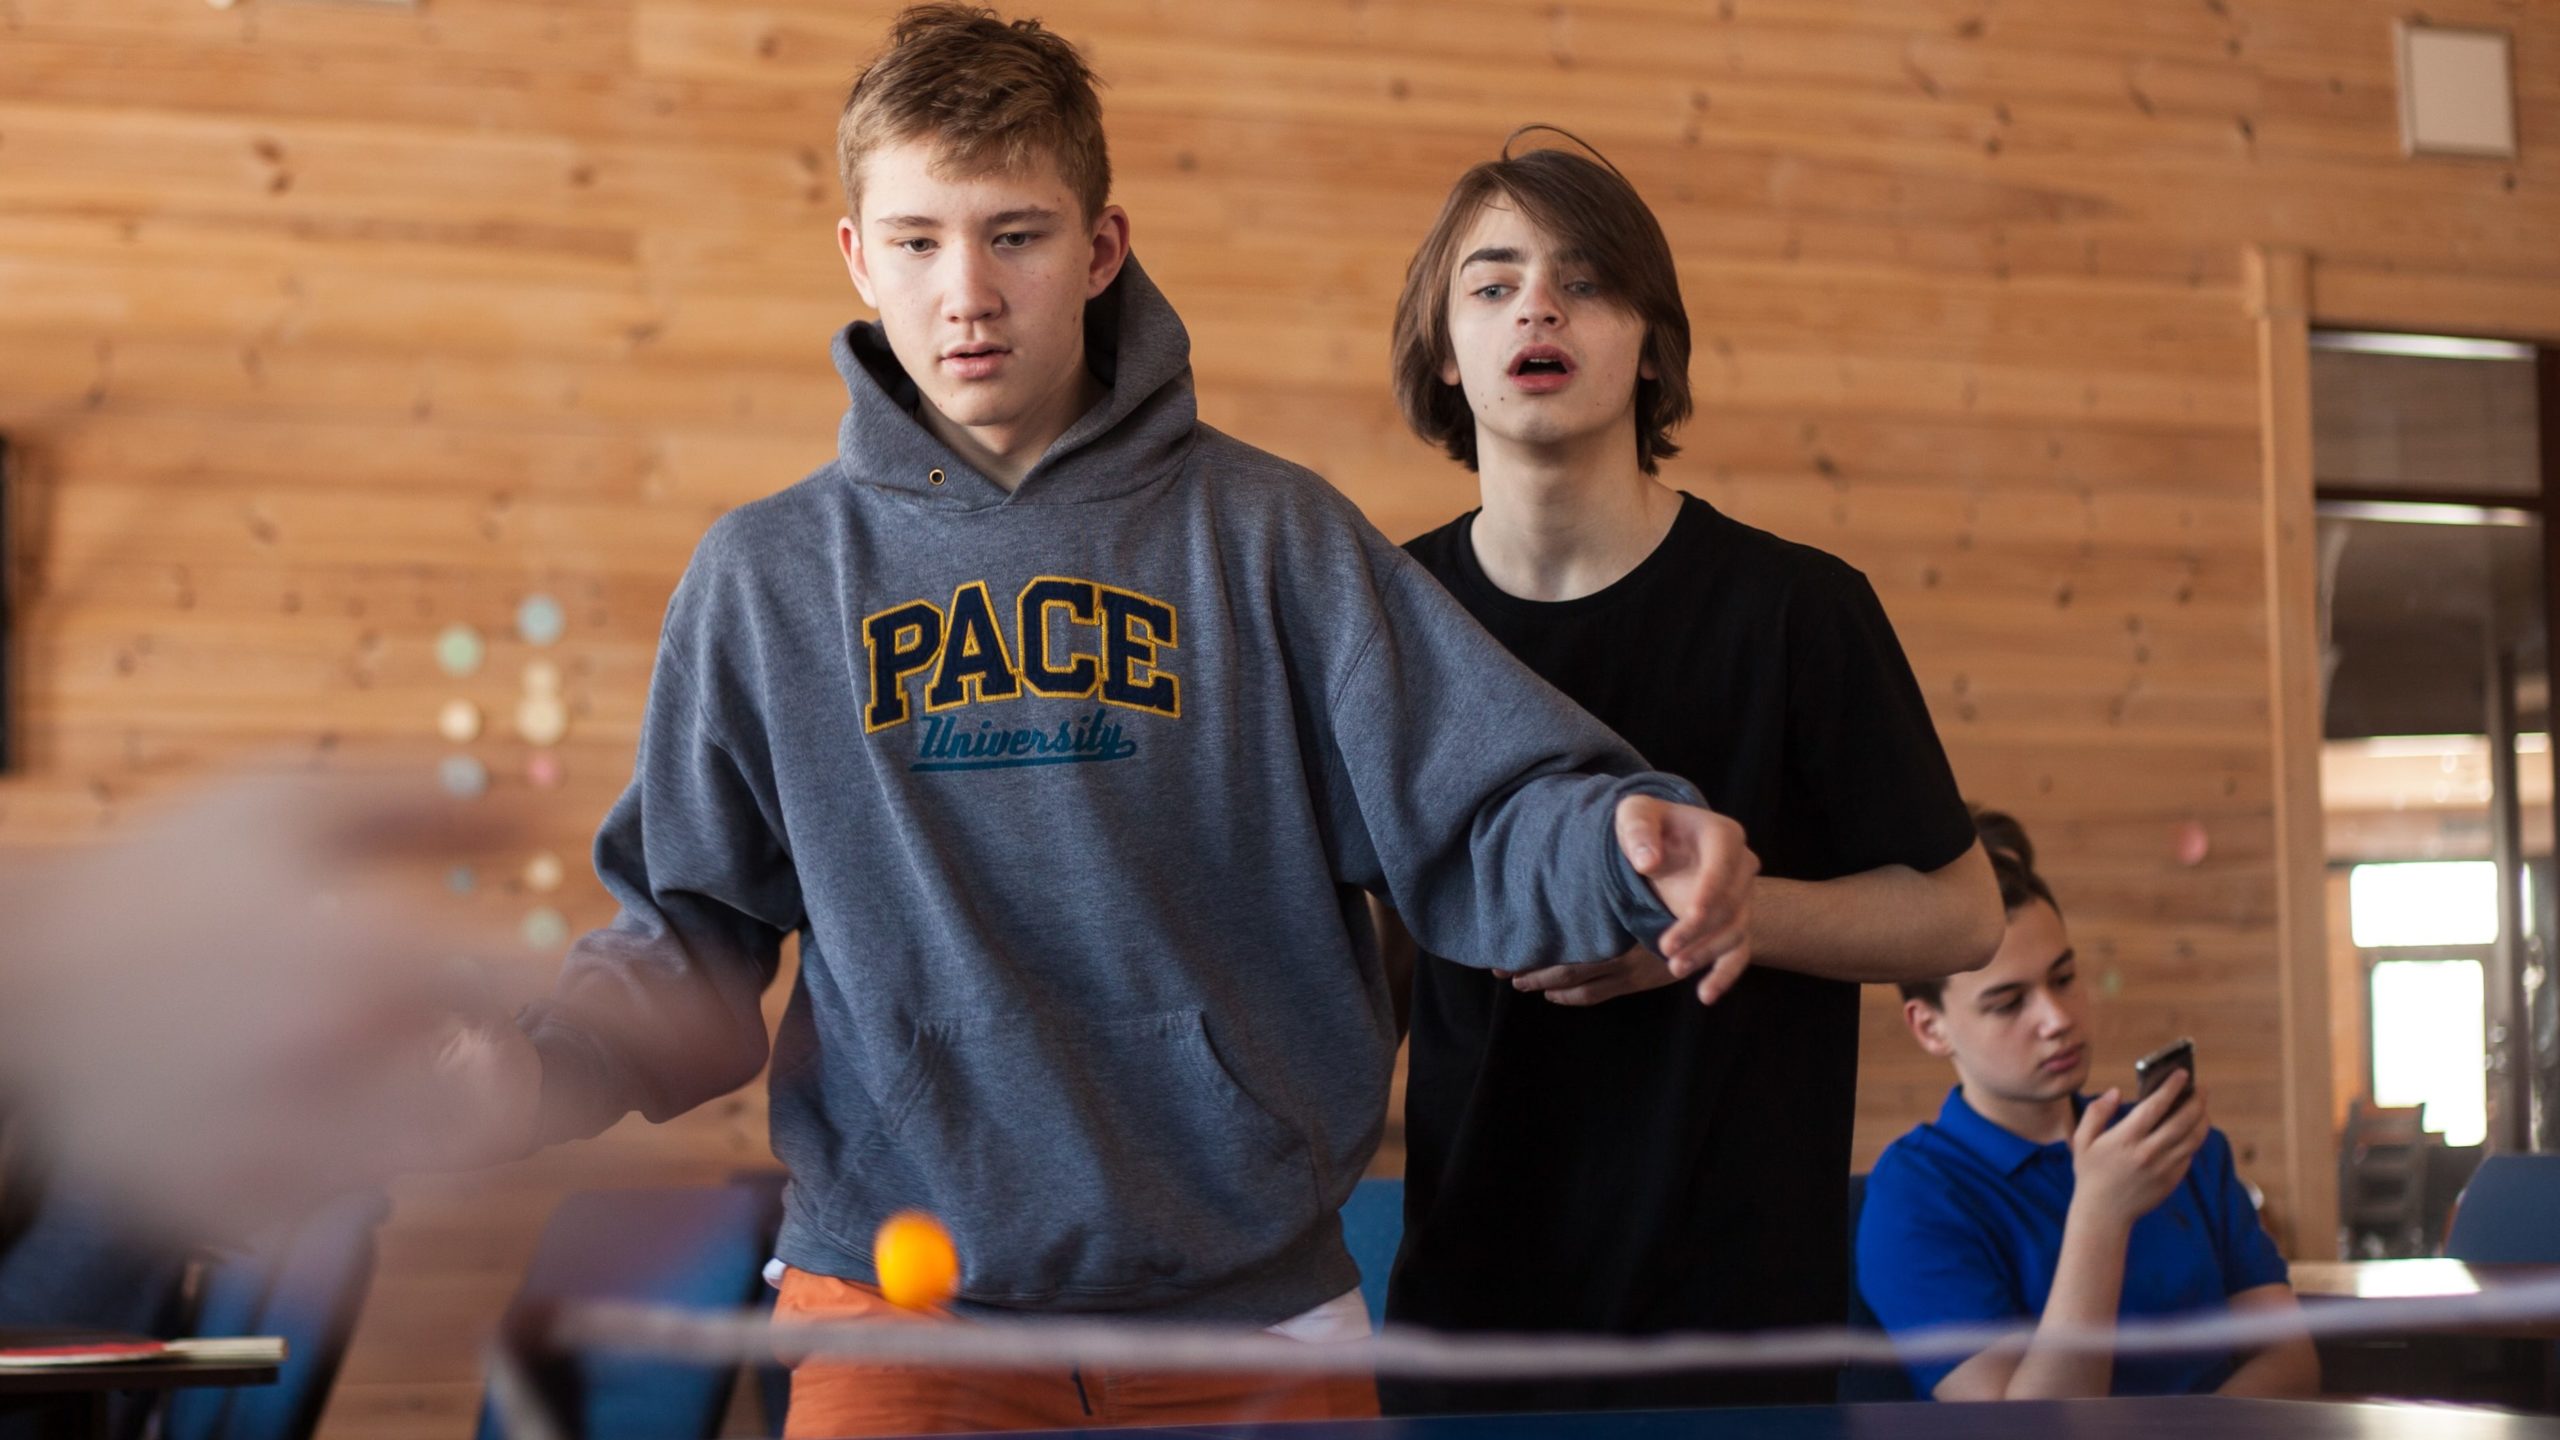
[1117, 1163]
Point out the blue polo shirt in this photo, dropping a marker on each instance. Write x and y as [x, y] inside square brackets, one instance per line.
[1963, 1225]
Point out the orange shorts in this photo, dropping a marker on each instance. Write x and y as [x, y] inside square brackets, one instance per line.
[839, 1399]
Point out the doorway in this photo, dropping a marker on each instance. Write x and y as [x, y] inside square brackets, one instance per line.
[2433, 483]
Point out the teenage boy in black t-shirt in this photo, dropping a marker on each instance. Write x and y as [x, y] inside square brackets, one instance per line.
[1693, 1174]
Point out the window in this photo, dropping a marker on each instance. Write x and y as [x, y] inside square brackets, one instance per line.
[2434, 902]
[2430, 1042]
[2430, 1046]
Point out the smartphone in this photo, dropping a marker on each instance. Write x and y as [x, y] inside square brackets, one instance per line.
[2152, 1070]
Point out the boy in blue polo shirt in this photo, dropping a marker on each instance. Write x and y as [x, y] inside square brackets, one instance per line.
[2030, 1200]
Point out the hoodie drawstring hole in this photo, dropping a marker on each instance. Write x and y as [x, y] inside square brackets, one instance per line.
[935, 477]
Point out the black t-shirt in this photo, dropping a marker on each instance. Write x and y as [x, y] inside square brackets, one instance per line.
[1650, 1164]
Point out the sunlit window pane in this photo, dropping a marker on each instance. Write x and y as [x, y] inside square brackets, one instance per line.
[2429, 1046]
[2434, 902]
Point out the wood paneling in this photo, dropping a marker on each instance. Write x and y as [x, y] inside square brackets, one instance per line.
[322, 327]
[2279, 298]
[2350, 1017]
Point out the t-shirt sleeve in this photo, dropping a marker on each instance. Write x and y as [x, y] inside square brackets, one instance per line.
[1923, 1262]
[2248, 1254]
[1859, 734]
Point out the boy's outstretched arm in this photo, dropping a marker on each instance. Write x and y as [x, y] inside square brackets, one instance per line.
[1883, 925]
[1500, 820]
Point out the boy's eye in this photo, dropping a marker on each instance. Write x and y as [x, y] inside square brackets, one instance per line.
[2063, 982]
[1015, 239]
[914, 246]
[1491, 292]
[1584, 287]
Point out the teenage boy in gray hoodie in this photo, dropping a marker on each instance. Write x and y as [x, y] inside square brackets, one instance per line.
[1068, 734]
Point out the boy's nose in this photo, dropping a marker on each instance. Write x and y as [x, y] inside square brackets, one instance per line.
[973, 295]
[1538, 306]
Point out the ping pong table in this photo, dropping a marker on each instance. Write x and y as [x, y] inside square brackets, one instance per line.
[2200, 1417]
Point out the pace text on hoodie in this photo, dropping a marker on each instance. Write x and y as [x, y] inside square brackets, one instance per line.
[1071, 794]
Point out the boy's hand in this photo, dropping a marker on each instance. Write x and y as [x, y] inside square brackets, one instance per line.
[1636, 971]
[480, 1099]
[252, 1001]
[2121, 1173]
[1701, 871]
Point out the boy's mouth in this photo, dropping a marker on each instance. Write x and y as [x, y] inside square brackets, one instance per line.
[974, 361]
[1540, 368]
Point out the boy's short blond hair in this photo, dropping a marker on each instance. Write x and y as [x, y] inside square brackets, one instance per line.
[996, 97]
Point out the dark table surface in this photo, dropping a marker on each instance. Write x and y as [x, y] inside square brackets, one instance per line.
[134, 1375]
[2421, 1279]
[2176, 1418]
[2337, 1282]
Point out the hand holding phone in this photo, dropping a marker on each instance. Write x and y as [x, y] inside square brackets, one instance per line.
[2120, 1172]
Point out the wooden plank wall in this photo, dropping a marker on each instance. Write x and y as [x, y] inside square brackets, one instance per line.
[325, 326]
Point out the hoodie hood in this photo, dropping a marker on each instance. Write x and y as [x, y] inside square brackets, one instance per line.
[1143, 427]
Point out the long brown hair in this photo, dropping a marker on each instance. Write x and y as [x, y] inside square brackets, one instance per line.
[1588, 207]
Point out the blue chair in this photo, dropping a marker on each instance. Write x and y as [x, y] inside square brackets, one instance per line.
[1860, 1383]
[2509, 1214]
[702, 1246]
[1373, 1226]
[71, 1261]
[306, 1284]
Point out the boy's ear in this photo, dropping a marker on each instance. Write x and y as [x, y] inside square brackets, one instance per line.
[1928, 1025]
[1449, 367]
[1110, 250]
[857, 261]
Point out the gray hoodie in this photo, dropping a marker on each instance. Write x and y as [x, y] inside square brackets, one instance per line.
[1070, 795]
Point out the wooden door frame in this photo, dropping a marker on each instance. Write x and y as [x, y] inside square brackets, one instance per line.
[2289, 292]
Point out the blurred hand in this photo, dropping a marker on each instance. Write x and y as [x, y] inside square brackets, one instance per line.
[2122, 1172]
[1701, 871]
[1639, 969]
[256, 1001]
[483, 1093]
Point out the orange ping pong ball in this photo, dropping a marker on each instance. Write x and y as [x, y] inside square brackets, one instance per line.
[918, 1268]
